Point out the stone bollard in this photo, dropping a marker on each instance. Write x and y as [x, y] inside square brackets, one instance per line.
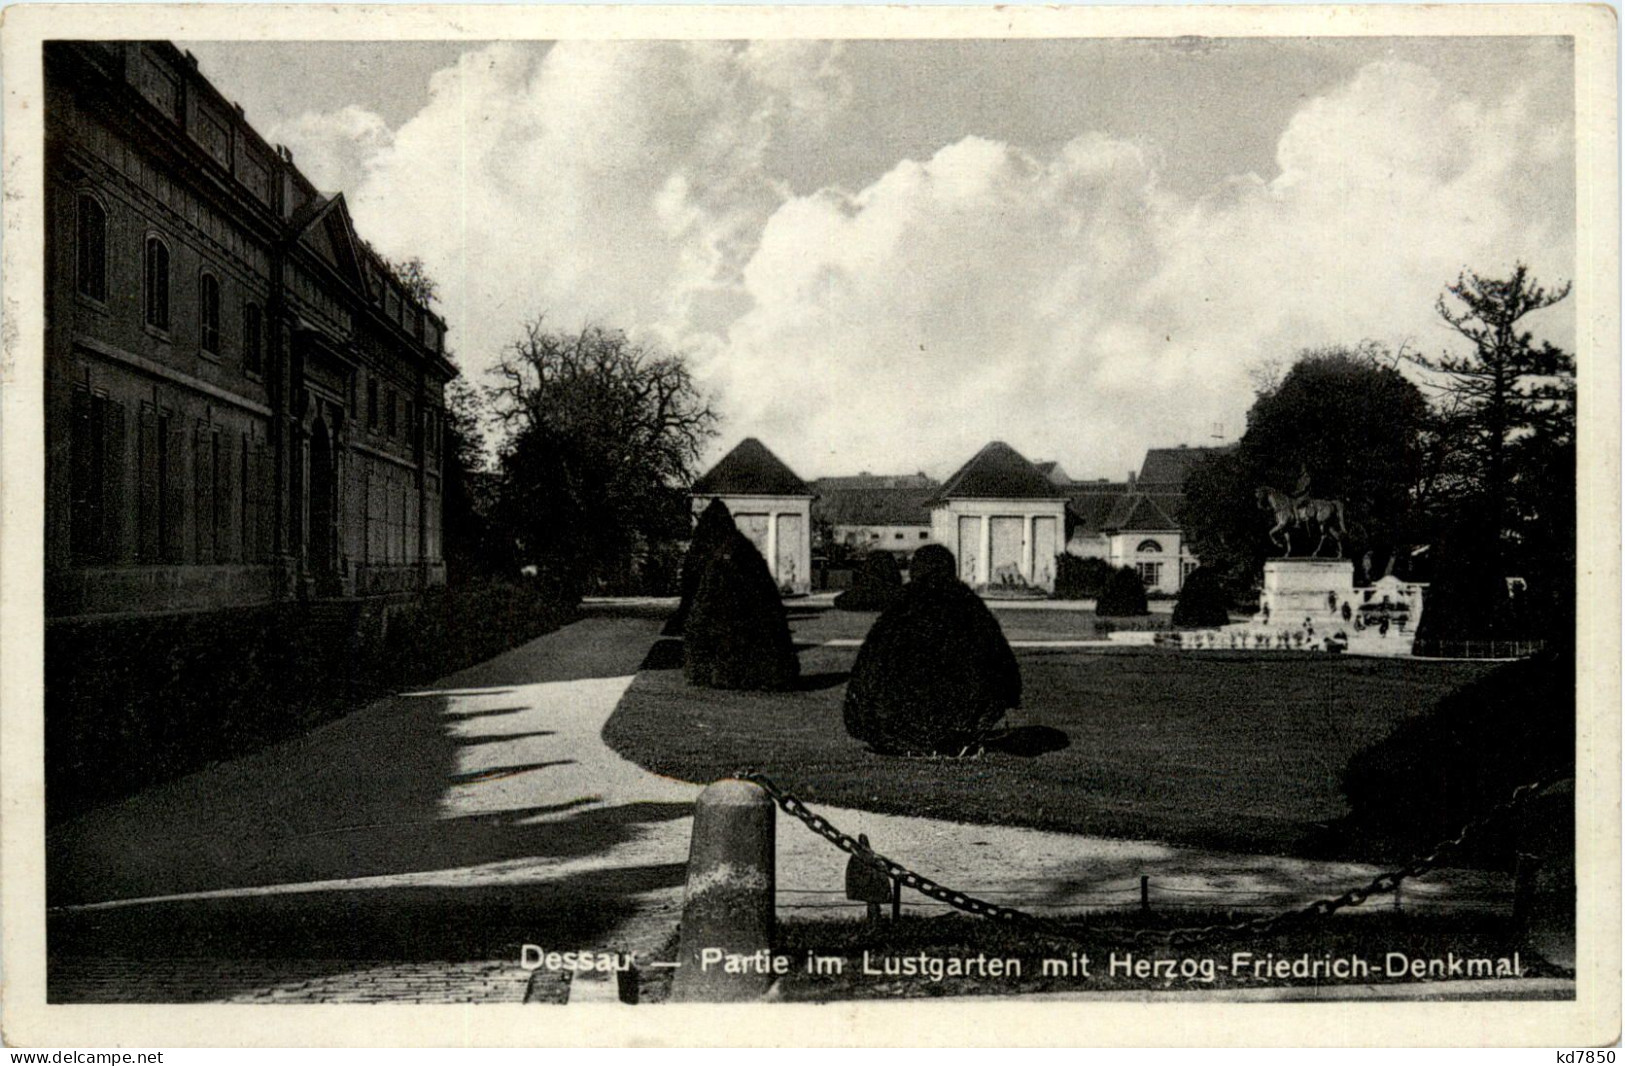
[728, 901]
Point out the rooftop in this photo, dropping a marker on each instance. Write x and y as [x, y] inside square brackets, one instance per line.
[750, 470]
[1168, 466]
[999, 472]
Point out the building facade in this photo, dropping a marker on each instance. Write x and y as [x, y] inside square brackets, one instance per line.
[243, 403]
[1003, 519]
[872, 512]
[769, 504]
[1136, 523]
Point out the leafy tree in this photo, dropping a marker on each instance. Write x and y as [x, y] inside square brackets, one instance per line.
[1350, 421]
[1343, 420]
[473, 542]
[1221, 520]
[599, 432]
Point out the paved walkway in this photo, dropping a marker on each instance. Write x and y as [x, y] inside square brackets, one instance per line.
[406, 851]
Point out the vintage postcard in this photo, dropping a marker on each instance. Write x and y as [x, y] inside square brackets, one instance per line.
[599, 525]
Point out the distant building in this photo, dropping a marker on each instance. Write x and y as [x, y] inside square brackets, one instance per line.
[243, 405]
[1052, 470]
[1003, 519]
[888, 513]
[769, 504]
[1136, 523]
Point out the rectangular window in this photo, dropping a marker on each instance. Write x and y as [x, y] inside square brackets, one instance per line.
[220, 491]
[1150, 573]
[389, 414]
[156, 283]
[253, 340]
[88, 501]
[149, 508]
[245, 513]
[171, 489]
[372, 404]
[203, 494]
[92, 249]
[411, 425]
[208, 313]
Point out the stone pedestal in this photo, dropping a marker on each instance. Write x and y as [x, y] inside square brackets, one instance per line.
[1296, 590]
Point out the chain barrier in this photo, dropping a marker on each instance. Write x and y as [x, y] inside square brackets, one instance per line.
[1321, 908]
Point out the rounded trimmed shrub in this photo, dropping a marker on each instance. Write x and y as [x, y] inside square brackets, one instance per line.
[876, 587]
[935, 673]
[736, 635]
[1202, 602]
[932, 562]
[1077, 578]
[713, 529]
[1123, 596]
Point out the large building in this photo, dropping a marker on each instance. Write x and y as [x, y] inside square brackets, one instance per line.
[243, 402]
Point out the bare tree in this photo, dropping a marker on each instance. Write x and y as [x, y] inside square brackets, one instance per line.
[600, 437]
[415, 278]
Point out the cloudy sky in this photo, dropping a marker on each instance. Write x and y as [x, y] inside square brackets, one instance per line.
[881, 255]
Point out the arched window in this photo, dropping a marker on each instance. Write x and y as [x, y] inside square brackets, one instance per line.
[155, 283]
[1149, 546]
[91, 265]
[253, 343]
[208, 313]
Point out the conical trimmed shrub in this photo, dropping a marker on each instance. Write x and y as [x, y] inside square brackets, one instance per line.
[935, 674]
[1123, 596]
[1202, 602]
[877, 586]
[932, 562]
[713, 529]
[736, 635]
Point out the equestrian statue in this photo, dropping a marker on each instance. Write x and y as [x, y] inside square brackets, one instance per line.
[1301, 509]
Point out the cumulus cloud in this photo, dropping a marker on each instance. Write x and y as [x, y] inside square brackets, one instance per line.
[1063, 300]
[334, 147]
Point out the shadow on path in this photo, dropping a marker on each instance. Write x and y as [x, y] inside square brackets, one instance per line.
[451, 823]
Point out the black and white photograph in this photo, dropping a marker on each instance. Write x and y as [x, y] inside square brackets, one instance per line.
[614, 516]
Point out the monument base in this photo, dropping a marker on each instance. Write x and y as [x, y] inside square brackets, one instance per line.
[1307, 591]
[1312, 605]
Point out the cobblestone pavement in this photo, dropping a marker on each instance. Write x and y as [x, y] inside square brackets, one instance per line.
[197, 980]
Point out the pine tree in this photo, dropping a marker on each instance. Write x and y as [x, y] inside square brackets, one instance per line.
[1507, 389]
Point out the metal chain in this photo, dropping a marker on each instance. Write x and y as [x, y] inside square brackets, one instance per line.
[1321, 908]
[908, 878]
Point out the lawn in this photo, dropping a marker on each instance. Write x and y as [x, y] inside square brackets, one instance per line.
[815, 625]
[1239, 750]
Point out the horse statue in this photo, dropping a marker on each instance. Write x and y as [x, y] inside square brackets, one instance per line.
[1290, 511]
